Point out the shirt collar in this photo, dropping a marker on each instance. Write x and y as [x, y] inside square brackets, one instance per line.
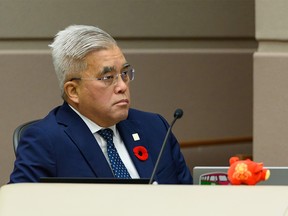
[93, 127]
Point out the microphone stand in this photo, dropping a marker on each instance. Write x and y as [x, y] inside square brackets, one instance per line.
[178, 114]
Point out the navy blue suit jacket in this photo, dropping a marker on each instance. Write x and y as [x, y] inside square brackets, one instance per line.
[61, 145]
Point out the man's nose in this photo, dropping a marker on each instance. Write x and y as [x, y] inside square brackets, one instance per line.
[120, 84]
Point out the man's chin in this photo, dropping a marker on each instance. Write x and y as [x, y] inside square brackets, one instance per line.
[121, 115]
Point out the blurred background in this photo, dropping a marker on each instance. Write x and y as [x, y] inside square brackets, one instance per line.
[222, 61]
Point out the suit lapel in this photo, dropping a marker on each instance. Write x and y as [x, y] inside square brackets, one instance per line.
[126, 129]
[85, 141]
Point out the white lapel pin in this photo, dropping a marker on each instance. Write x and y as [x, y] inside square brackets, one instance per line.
[135, 136]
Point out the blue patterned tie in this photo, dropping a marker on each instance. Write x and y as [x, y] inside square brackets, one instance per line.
[117, 165]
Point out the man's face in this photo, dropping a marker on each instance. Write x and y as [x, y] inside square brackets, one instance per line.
[104, 104]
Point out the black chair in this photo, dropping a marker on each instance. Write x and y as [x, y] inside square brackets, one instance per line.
[18, 132]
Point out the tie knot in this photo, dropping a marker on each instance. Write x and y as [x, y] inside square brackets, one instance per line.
[106, 133]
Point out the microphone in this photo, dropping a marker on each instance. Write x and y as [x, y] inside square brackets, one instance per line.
[177, 115]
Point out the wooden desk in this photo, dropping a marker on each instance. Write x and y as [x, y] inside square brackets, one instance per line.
[43, 199]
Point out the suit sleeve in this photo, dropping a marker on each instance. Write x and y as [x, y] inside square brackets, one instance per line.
[34, 157]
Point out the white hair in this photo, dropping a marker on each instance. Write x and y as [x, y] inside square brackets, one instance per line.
[71, 46]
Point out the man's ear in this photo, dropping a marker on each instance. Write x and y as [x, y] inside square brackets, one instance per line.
[71, 91]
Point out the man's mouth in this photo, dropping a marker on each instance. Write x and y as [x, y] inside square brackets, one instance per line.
[122, 102]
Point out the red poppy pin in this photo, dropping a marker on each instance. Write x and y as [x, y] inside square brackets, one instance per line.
[141, 153]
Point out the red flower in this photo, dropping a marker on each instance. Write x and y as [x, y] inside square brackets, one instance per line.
[141, 153]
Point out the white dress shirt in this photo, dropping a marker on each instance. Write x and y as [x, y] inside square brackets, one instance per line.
[118, 142]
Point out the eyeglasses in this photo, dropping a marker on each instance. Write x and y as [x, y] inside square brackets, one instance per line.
[127, 75]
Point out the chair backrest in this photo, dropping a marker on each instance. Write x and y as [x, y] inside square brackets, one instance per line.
[18, 132]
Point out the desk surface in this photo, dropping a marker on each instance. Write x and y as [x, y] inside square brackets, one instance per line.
[34, 199]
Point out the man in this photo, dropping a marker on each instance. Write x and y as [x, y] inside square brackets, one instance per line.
[78, 139]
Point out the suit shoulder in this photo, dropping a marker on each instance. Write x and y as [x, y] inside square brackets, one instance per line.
[139, 113]
[135, 114]
[46, 123]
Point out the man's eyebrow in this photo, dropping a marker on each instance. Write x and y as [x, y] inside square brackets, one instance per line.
[107, 69]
